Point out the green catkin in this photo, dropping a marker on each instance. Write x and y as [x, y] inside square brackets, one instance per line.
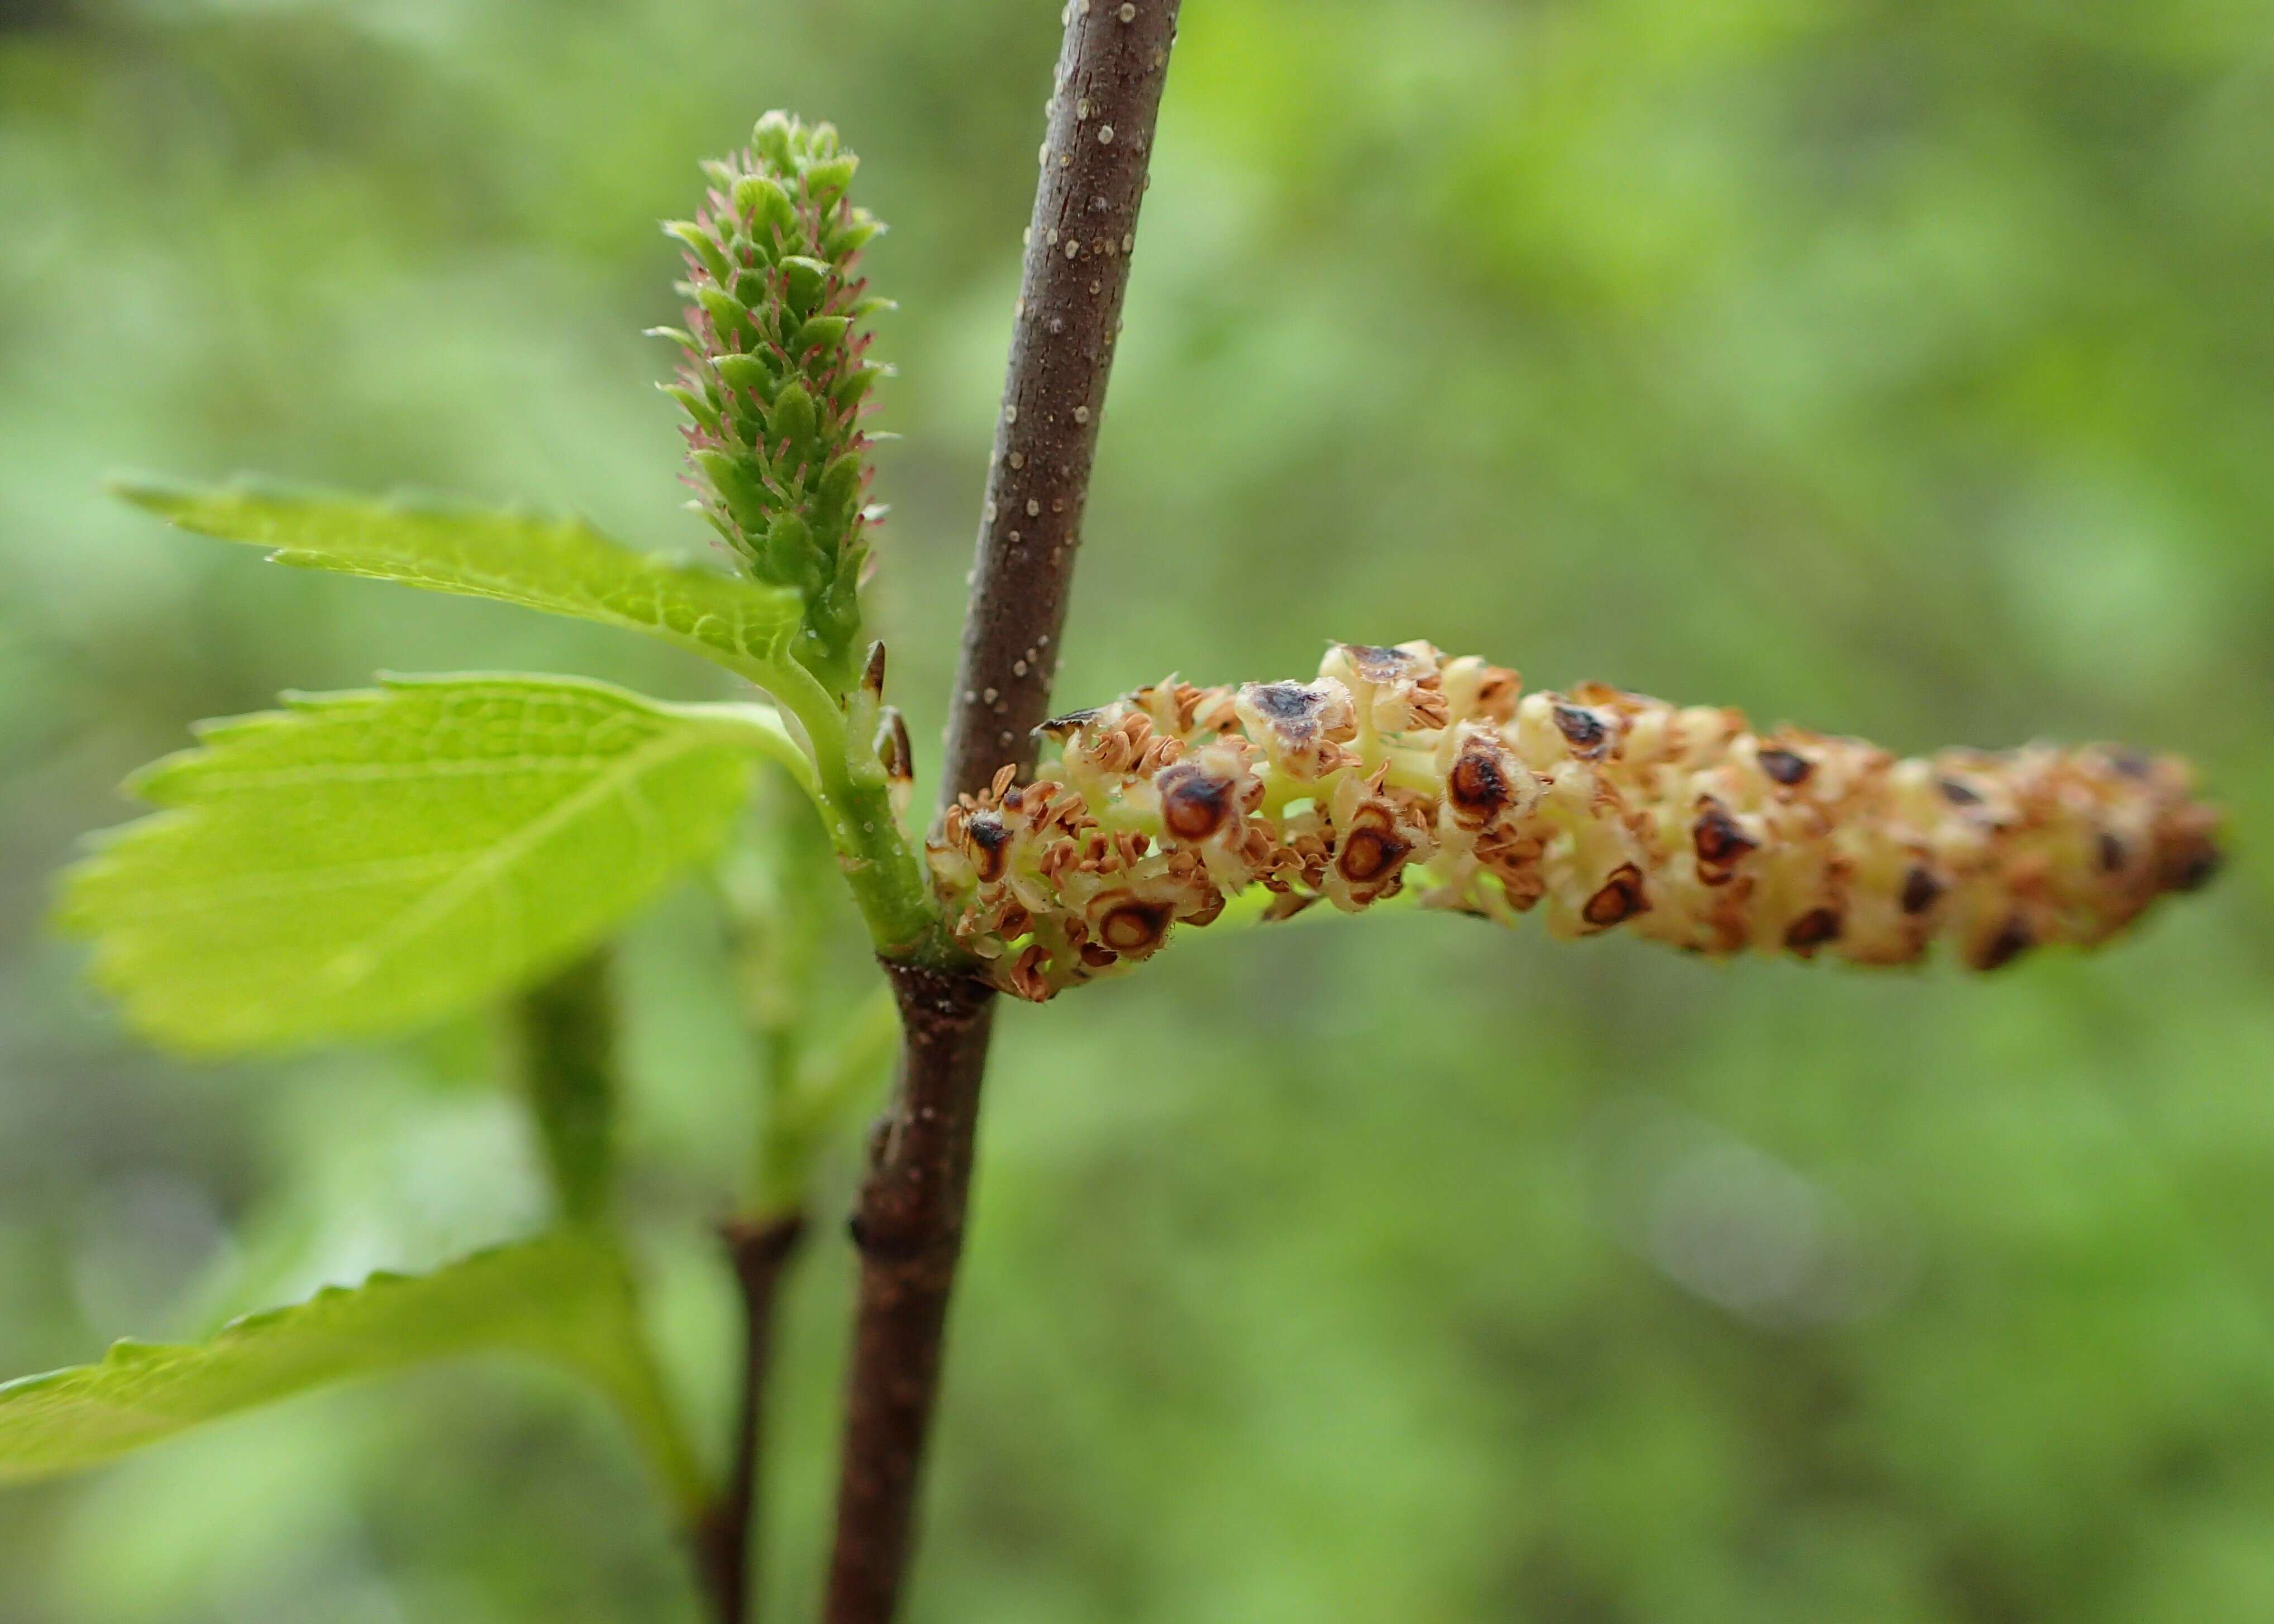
[775, 372]
[1398, 766]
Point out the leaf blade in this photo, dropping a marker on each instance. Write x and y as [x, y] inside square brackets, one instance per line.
[358, 863]
[563, 1298]
[559, 566]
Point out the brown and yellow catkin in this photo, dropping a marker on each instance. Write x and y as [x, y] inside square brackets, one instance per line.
[1398, 767]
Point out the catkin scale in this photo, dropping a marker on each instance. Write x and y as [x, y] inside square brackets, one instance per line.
[1606, 809]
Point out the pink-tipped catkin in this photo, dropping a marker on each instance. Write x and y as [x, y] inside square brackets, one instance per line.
[1398, 767]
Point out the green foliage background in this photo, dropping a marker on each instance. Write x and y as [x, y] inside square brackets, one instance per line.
[1902, 369]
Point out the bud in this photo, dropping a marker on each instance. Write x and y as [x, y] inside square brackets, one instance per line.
[1399, 769]
[806, 282]
[781, 141]
[774, 374]
[865, 761]
[851, 237]
[854, 386]
[705, 415]
[791, 556]
[705, 248]
[823, 332]
[748, 372]
[763, 205]
[899, 758]
[831, 177]
[838, 489]
[726, 313]
[793, 421]
[737, 489]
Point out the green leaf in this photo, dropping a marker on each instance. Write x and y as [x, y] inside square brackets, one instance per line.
[361, 862]
[564, 1299]
[561, 566]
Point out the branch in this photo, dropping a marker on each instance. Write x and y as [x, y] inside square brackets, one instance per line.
[566, 1030]
[1107, 91]
[909, 1229]
[725, 1540]
[910, 1226]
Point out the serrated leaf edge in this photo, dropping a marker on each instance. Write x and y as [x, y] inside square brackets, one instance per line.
[628, 1378]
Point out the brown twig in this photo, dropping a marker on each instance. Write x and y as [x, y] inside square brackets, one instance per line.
[909, 1229]
[725, 1541]
[910, 1226]
[1108, 90]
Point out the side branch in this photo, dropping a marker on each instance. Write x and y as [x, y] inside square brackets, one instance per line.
[760, 1252]
[725, 1542]
[909, 1227]
[567, 1028]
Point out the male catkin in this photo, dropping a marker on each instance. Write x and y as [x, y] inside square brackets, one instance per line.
[1399, 766]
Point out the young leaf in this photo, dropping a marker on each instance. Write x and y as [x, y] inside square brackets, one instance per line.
[360, 862]
[564, 1299]
[561, 566]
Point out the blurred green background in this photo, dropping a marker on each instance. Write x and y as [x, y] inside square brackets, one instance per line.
[1899, 368]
